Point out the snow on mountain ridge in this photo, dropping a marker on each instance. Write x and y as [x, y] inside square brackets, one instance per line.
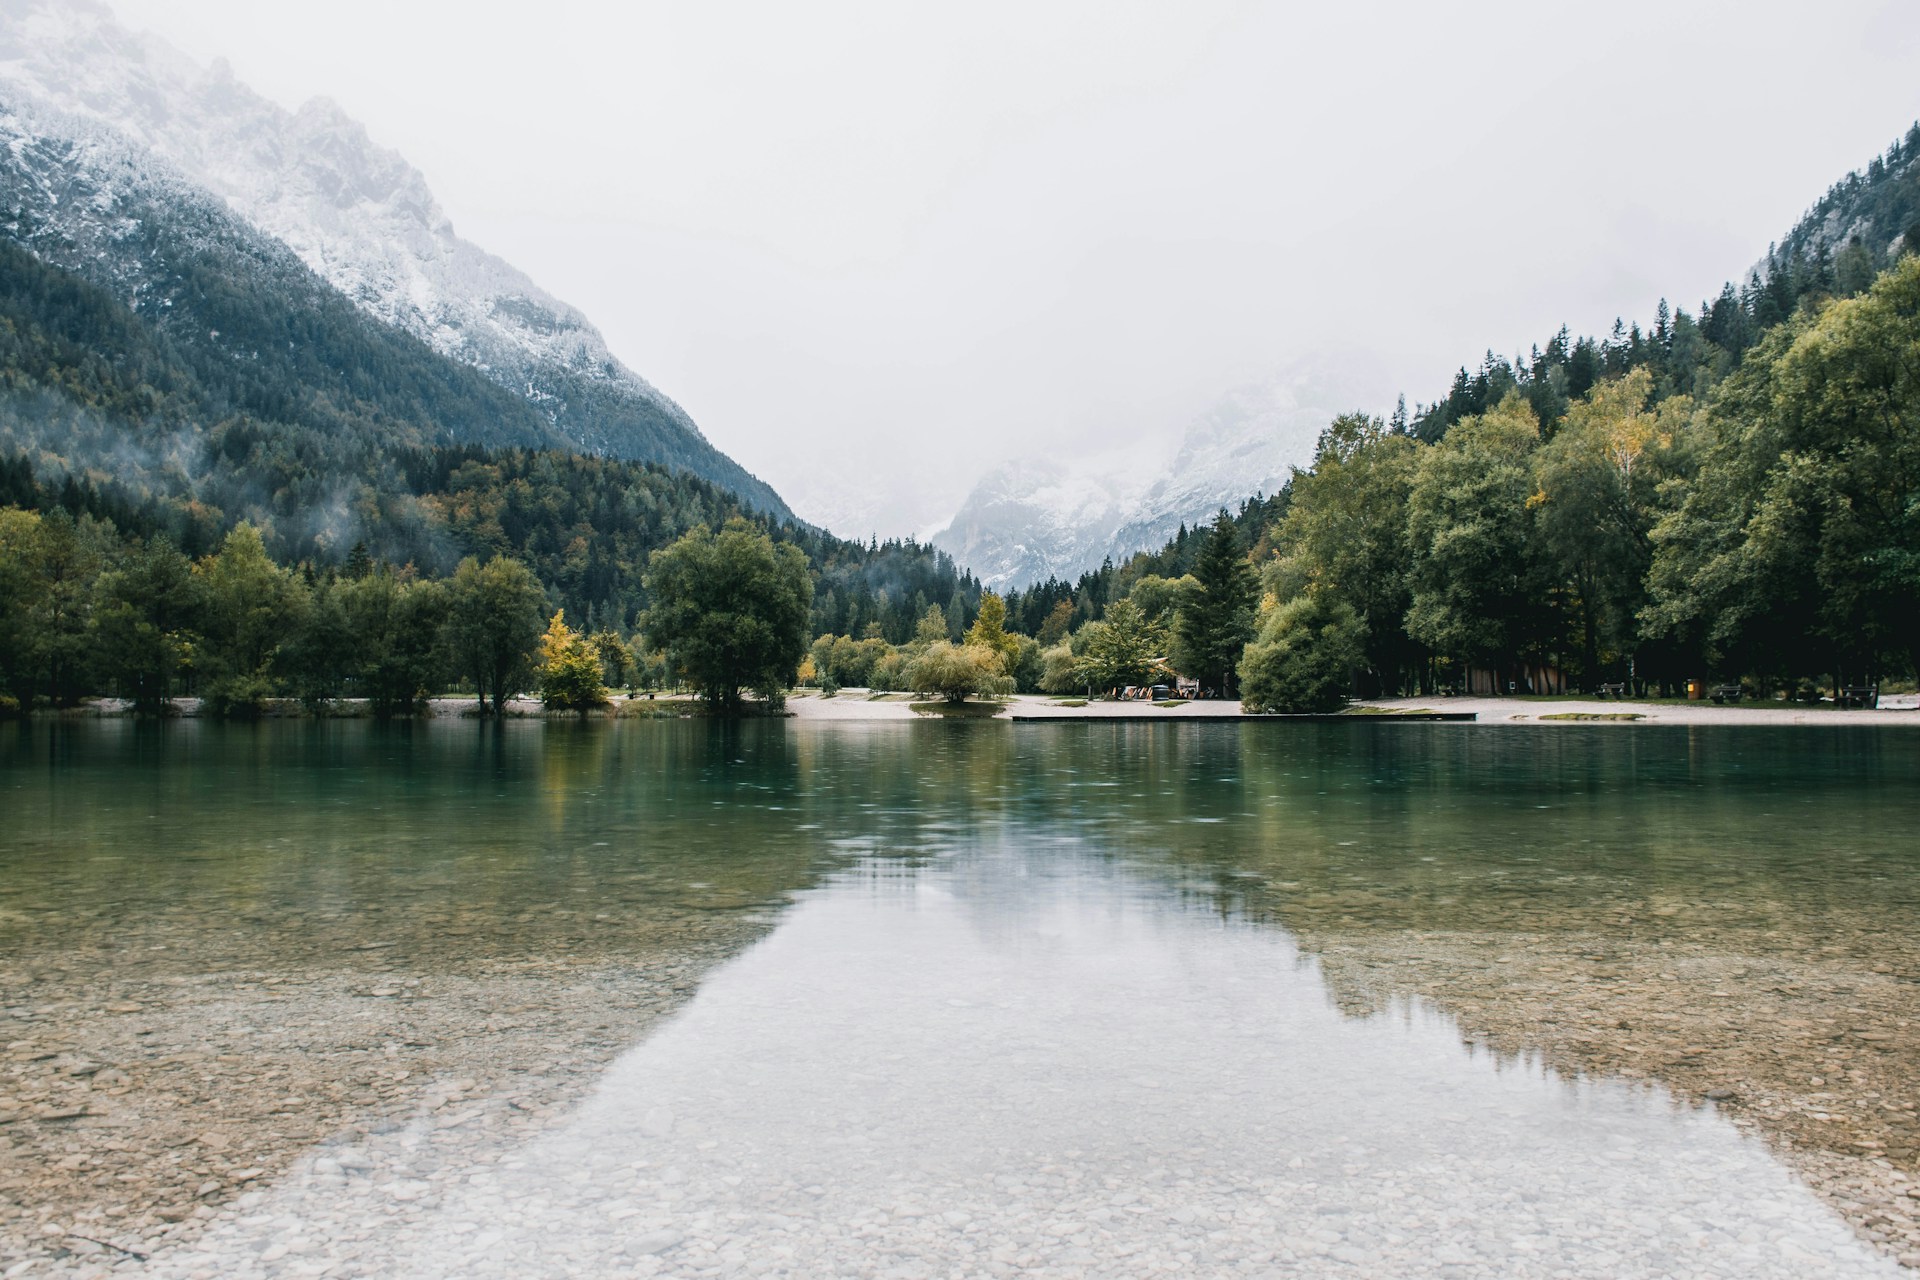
[207, 289]
[1025, 517]
[358, 214]
[1030, 520]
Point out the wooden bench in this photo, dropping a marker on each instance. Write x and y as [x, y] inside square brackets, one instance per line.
[1725, 693]
[1613, 690]
[1860, 695]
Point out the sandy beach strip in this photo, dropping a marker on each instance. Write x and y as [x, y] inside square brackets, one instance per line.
[1900, 710]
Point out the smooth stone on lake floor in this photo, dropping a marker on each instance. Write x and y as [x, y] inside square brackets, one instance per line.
[655, 1242]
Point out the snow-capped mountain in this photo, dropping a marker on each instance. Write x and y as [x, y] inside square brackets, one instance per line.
[1037, 517]
[217, 298]
[360, 216]
[1033, 519]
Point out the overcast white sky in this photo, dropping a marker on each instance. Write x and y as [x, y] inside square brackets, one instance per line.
[876, 248]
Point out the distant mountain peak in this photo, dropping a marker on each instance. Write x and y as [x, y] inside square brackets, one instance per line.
[1032, 519]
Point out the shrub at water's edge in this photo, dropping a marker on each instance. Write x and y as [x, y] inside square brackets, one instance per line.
[955, 672]
[958, 710]
[1304, 657]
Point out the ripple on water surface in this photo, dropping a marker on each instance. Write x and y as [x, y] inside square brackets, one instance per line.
[1015, 1062]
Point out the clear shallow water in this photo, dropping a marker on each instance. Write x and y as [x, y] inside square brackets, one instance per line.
[1033, 977]
[1034, 1062]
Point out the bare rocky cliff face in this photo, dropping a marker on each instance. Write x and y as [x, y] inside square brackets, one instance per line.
[359, 215]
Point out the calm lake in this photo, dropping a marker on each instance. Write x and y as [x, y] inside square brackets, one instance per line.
[1065, 999]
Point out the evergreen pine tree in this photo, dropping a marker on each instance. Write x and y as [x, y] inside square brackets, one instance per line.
[1214, 626]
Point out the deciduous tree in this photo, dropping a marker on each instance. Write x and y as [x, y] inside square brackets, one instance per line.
[989, 630]
[731, 611]
[143, 622]
[1594, 505]
[1124, 648]
[1345, 534]
[956, 672]
[569, 668]
[1053, 630]
[250, 608]
[494, 613]
[1475, 597]
[396, 622]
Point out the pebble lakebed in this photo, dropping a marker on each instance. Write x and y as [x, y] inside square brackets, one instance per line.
[144, 1112]
[149, 1089]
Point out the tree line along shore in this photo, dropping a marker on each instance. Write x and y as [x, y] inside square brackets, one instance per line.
[1757, 522]
[1733, 499]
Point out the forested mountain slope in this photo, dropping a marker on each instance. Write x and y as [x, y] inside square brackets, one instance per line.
[220, 319]
[1863, 222]
[1842, 244]
[167, 367]
[359, 216]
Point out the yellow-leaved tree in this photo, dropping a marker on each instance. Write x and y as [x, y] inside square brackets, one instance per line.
[569, 668]
[989, 630]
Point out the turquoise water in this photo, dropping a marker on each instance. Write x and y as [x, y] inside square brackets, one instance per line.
[1043, 999]
[491, 831]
